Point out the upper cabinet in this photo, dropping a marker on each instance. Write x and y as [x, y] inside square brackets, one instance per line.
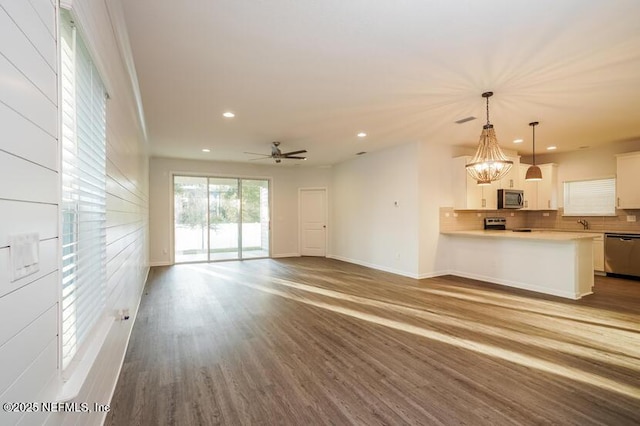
[468, 195]
[627, 178]
[540, 195]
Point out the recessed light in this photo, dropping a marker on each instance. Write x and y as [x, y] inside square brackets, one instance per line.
[518, 140]
[551, 148]
[206, 150]
[228, 114]
[362, 134]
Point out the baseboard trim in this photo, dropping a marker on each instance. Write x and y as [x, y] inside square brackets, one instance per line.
[126, 346]
[434, 274]
[281, 255]
[375, 266]
[160, 263]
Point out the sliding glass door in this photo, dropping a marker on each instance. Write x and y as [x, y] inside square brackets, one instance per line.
[220, 218]
[190, 219]
[224, 214]
[255, 218]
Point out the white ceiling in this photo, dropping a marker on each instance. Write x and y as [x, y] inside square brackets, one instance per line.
[312, 74]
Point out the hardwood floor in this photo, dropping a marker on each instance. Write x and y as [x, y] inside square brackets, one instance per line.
[306, 341]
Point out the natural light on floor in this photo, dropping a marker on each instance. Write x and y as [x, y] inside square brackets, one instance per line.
[489, 350]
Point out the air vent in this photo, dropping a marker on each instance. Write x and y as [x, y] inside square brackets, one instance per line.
[361, 153]
[464, 120]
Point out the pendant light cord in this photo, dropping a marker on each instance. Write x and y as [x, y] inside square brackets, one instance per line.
[533, 124]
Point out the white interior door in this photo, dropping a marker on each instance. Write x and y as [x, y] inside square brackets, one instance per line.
[313, 222]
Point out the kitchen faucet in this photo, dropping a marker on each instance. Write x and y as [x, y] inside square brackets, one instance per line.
[584, 223]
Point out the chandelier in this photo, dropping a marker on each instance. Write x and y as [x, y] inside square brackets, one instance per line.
[489, 164]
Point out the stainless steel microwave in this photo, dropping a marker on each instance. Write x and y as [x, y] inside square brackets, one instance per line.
[510, 198]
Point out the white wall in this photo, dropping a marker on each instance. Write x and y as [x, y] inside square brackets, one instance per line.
[435, 191]
[28, 201]
[286, 180]
[29, 196]
[367, 227]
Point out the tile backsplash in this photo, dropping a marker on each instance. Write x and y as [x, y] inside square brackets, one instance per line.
[463, 220]
[556, 220]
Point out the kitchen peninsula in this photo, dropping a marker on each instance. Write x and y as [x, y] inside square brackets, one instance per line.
[556, 263]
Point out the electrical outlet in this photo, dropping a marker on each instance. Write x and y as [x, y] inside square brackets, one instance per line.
[455, 214]
[631, 218]
[512, 214]
[479, 214]
[446, 214]
[545, 214]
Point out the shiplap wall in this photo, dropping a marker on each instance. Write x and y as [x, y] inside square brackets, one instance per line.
[127, 198]
[29, 194]
[28, 202]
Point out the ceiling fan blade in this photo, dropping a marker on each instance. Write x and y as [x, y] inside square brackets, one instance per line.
[262, 154]
[302, 151]
[295, 158]
[260, 158]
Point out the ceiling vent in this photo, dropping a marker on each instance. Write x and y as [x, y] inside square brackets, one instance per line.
[464, 120]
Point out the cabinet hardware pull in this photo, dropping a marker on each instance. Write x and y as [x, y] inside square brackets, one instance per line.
[484, 202]
[549, 203]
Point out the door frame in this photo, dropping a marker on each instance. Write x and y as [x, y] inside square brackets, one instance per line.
[172, 215]
[326, 216]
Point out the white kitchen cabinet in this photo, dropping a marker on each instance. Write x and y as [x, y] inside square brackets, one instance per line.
[548, 187]
[627, 178]
[543, 194]
[598, 254]
[511, 180]
[530, 189]
[468, 195]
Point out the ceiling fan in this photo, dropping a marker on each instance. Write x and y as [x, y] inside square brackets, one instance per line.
[278, 155]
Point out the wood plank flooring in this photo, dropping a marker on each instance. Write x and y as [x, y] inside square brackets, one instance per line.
[313, 341]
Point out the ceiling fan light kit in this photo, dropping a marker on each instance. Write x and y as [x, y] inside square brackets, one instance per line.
[489, 163]
[533, 172]
[278, 155]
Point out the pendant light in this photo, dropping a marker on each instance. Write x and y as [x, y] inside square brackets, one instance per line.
[489, 163]
[533, 172]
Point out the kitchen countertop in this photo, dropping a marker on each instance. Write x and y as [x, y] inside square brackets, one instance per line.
[534, 235]
[587, 231]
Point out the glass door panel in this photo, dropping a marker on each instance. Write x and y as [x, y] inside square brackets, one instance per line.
[224, 218]
[255, 218]
[190, 219]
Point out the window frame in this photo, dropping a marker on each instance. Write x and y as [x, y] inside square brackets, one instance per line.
[597, 213]
[83, 162]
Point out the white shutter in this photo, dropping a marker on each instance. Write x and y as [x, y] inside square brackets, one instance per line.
[594, 197]
[83, 191]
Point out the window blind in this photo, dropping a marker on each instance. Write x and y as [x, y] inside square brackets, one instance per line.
[83, 207]
[594, 197]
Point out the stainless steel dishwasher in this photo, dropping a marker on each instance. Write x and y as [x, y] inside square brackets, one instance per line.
[622, 254]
